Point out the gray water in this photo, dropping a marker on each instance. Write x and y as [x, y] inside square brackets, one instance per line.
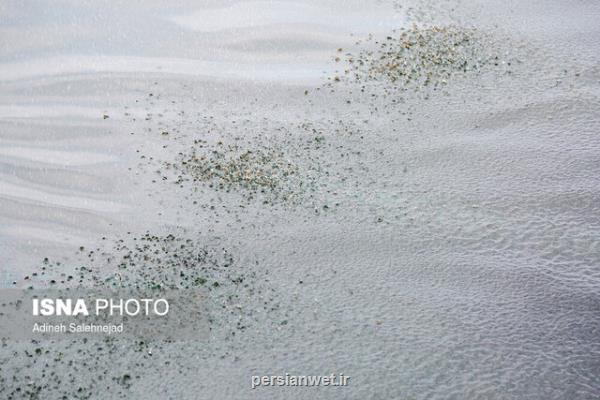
[463, 261]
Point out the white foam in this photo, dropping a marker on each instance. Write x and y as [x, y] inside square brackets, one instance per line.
[255, 14]
[36, 196]
[57, 157]
[55, 66]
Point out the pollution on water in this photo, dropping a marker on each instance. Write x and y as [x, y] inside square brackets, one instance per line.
[390, 199]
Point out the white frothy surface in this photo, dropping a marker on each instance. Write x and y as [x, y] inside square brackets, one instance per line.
[482, 278]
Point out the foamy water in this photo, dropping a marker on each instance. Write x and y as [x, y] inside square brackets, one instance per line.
[465, 263]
